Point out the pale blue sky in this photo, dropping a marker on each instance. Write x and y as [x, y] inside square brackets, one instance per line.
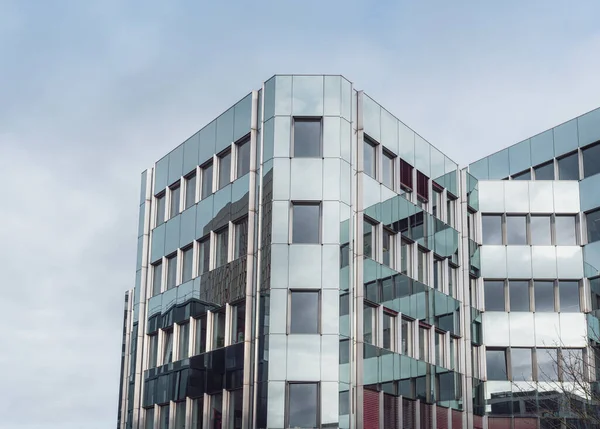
[93, 92]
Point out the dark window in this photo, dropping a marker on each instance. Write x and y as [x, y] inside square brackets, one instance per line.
[521, 364]
[215, 411]
[152, 350]
[438, 265]
[568, 167]
[494, 295]
[180, 415]
[593, 226]
[304, 312]
[369, 324]
[406, 173]
[540, 230]
[188, 263]
[422, 187]
[370, 158]
[224, 169]
[306, 223]
[149, 413]
[163, 417]
[388, 247]
[207, 180]
[240, 246]
[387, 169]
[369, 239]
[436, 203]
[525, 175]
[218, 329]
[167, 347]
[568, 294]
[156, 279]
[544, 171]
[389, 332]
[243, 157]
[200, 340]
[591, 160]
[492, 229]
[190, 190]
[184, 340]
[160, 209]
[221, 248]
[496, 364]
[544, 295]
[565, 230]
[236, 411]
[307, 138]
[203, 255]
[303, 408]
[519, 295]
[547, 368]
[175, 194]
[238, 320]
[172, 272]
[516, 229]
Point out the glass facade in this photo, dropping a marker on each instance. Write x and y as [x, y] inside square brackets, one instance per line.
[307, 210]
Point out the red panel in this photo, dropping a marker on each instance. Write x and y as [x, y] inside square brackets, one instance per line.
[442, 417]
[422, 186]
[499, 422]
[457, 417]
[371, 409]
[525, 423]
[390, 412]
[406, 174]
[408, 414]
[477, 422]
[426, 417]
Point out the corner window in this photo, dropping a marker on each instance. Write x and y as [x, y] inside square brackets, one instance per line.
[238, 322]
[221, 247]
[544, 171]
[306, 223]
[304, 312]
[518, 292]
[521, 364]
[240, 245]
[152, 350]
[175, 194]
[568, 167]
[544, 295]
[190, 190]
[243, 157]
[496, 364]
[160, 209]
[218, 329]
[494, 295]
[370, 324]
[388, 247]
[156, 279]
[389, 331]
[203, 255]
[387, 169]
[303, 405]
[200, 335]
[593, 226]
[406, 336]
[369, 239]
[568, 296]
[406, 173]
[307, 137]
[540, 229]
[591, 160]
[167, 347]
[188, 263]
[566, 233]
[370, 158]
[184, 341]
[207, 180]
[163, 413]
[516, 230]
[224, 169]
[172, 271]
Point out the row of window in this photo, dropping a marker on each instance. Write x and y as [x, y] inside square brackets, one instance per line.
[203, 181]
[532, 295]
[211, 251]
[529, 229]
[535, 364]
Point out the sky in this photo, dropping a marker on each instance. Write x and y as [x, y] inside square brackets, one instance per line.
[94, 92]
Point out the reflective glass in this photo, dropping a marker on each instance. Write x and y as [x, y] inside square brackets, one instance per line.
[224, 170]
[572, 365]
[521, 364]
[516, 230]
[591, 160]
[307, 138]
[152, 350]
[215, 412]
[305, 227]
[190, 190]
[370, 158]
[369, 245]
[424, 335]
[302, 405]
[388, 248]
[519, 295]
[540, 230]
[238, 321]
[163, 417]
[547, 369]
[203, 255]
[544, 172]
[188, 263]
[494, 295]
[525, 175]
[184, 340]
[568, 167]
[207, 180]
[496, 364]
[389, 323]
[498, 164]
[218, 330]
[369, 329]
[197, 413]
[387, 170]
[167, 347]
[200, 337]
[519, 156]
[241, 239]
[404, 257]
[235, 409]
[593, 226]
[565, 137]
[175, 193]
[565, 230]
[492, 229]
[180, 415]
[156, 279]
[542, 147]
[149, 413]
[304, 312]
[243, 158]
[422, 266]
[568, 293]
[171, 272]
[160, 209]
[544, 295]
[222, 238]
[406, 333]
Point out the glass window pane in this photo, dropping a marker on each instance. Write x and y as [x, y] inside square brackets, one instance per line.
[544, 296]
[218, 330]
[370, 159]
[591, 160]
[389, 322]
[369, 235]
[152, 350]
[215, 412]
[492, 229]
[568, 294]
[568, 167]
[157, 279]
[494, 295]
[547, 368]
[521, 364]
[424, 343]
[197, 413]
[149, 418]
[238, 321]
[207, 180]
[572, 365]
[545, 171]
[304, 312]
[200, 338]
[422, 267]
[519, 295]
[171, 272]
[164, 417]
[203, 255]
[406, 337]
[436, 204]
[184, 340]
[303, 405]
[525, 175]
[307, 138]
[243, 158]
[437, 273]
[190, 191]
[404, 257]
[241, 239]
[168, 347]
[188, 263]
[369, 329]
[593, 226]
[160, 209]
[175, 191]
[388, 247]
[221, 247]
[224, 169]
[496, 364]
[516, 230]
[540, 230]
[565, 230]
[235, 409]
[387, 170]
[305, 228]
[180, 415]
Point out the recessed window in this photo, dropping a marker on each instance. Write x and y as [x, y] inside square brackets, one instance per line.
[184, 341]
[200, 335]
[424, 334]
[438, 266]
[571, 363]
[304, 312]
[519, 295]
[207, 180]
[521, 364]
[235, 409]
[388, 247]
[369, 239]
[492, 229]
[568, 296]
[422, 187]
[188, 264]
[203, 255]
[516, 230]
[387, 169]
[494, 295]
[591, 160]
[156, 279]
[452, 280]
[496, 364]
[149, 418]
[525, 175]
[307, 137]
[238, 322]
[221, 246]
[197, 413]
[566, 233]
[544, 296]
[406, 174]
[422, 266]
[407, 331]
[160, 209]
[450, 208]
[218, 329]
[224, 169]
[163, 412]
[404, 257]
[436, 203]
[389, 331]
[306, 223]
[568, 167]
[243, 157]
[540, 230]
[370, 158]
[240, 245]
[544, 171]
[180, 415]
[303, 405]
[547, 364]
[370, 324]
[215, 411]
[172, 271]
[167, 347]
[190, 190]
[152, 350]
[593, 226]
[175, 194]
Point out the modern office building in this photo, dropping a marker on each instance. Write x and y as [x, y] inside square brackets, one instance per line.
[306, 260]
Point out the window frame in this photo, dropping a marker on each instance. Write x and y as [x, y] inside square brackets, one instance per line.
[315, 119]
[215, 247]
[203, 175]
[391, 251]
[167, 333]
[295, 203]
[246, 140]
[393, 318]
[408, 342]
[172, 260]
[155, 265]
[237, 224]
[596, 147]
[160, 198]
[220, 156]
[590, 227]
[189, 178]
[184, 250]
[290, 312]
[572, 155]
[288, 401]
[180, 327]
[374, 144]
[388, 155]
[200, 266]
[174, 209]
